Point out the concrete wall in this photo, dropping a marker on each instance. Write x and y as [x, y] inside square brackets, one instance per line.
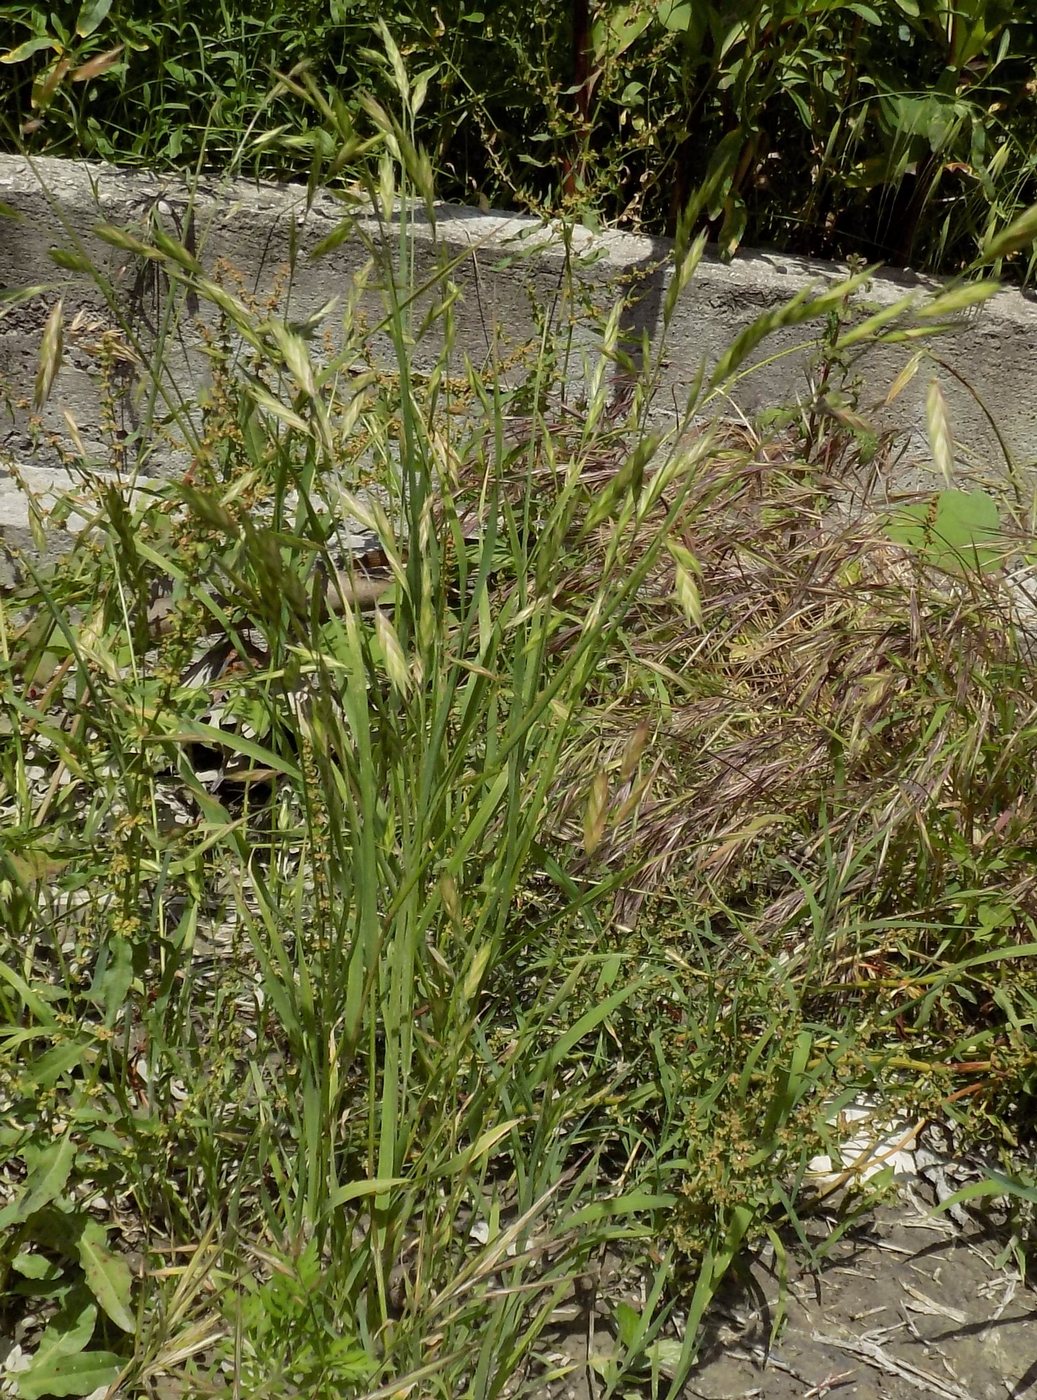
[506, 266]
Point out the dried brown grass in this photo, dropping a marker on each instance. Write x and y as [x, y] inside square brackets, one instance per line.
[835, 724]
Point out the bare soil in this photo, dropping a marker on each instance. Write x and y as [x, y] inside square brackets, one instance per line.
[907, 1305]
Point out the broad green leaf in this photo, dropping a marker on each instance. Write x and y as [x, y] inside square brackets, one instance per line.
[35, 1266]
[613, 31]
[675, 15]
[113, 979]
[628, 1323]
[91, 15]
[633, 1202]
[917, 116]
[955, 529]
[107, 1275]
[48, 1171]
[53, 1064]
[666, 1355]
[65, 1335]
[70, 1375]
[30, 47]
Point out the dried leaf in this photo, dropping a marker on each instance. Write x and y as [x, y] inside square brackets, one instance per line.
[94, 67]
[392, 652]
[940, 440]
[905, 376]
[50, 354]
[688, 595]
[594, 815]
[633, 750]
[47, 84]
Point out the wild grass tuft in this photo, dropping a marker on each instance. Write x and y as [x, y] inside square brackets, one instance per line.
[385, 968]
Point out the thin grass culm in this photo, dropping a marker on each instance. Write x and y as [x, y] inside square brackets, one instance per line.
[459, 863]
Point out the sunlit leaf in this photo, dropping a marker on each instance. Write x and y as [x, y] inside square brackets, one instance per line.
[48, 1171]
[357, 1190]
[81, 1374]
[107, 1275]
[955, 529]
[1020, 233]
[675, 15]
[30, 47]
[615, 29]
[91, 15]
[67, 1334]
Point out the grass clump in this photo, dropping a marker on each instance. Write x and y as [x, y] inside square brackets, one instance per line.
[383, 956]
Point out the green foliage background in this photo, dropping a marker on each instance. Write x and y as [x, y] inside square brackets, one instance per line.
[900, 130]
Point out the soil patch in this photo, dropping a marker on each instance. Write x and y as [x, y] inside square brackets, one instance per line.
[907, 1305]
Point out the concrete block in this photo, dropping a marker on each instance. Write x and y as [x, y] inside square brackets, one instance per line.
[513, 275]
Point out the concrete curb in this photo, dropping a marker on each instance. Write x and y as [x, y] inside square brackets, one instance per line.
[510, 272]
